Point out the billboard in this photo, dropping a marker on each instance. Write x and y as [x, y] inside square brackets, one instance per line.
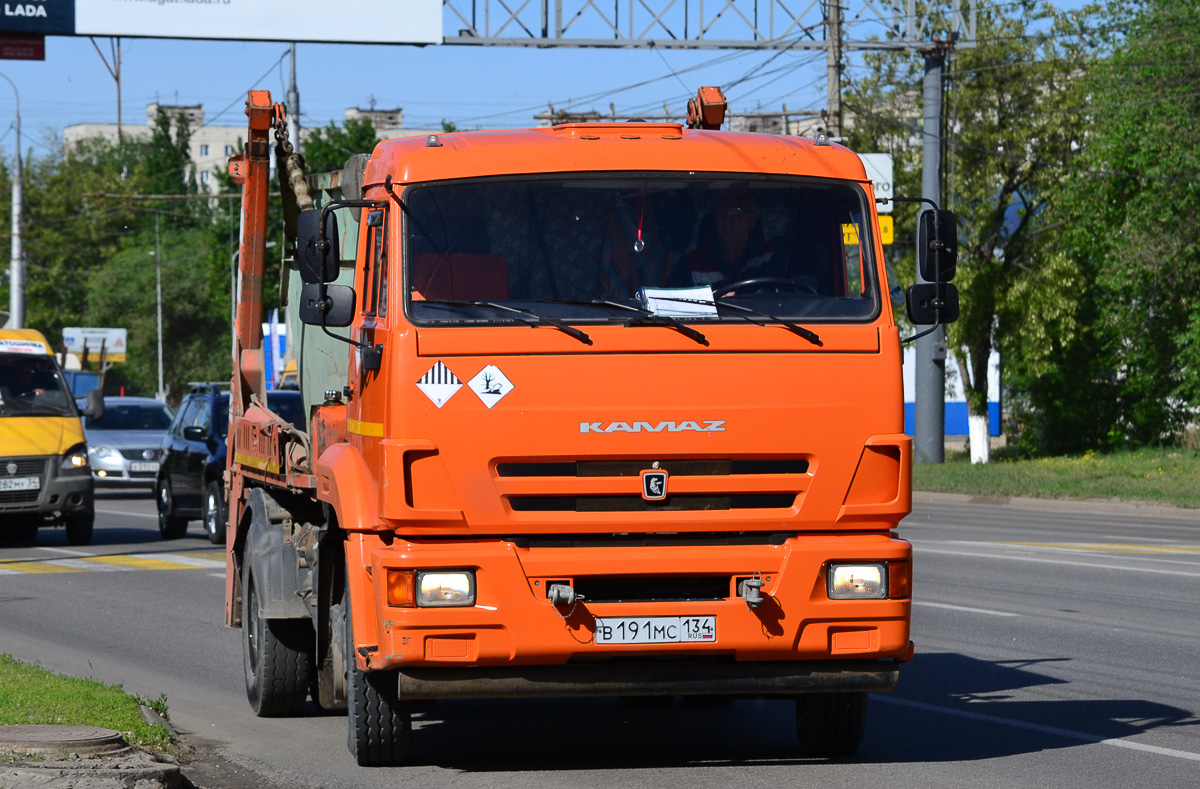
[347, 21]
[113, 341]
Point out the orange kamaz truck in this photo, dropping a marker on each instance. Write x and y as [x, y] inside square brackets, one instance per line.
[598, 409]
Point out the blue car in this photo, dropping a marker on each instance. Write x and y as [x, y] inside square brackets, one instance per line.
[190, 483]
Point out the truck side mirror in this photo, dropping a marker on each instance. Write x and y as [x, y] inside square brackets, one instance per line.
[930, 303]
[95, 405]
[937, 245]
[327, 305]
[318, 258]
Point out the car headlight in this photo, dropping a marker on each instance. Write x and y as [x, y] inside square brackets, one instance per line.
[857, 581]
[104, 453]
[75, 458]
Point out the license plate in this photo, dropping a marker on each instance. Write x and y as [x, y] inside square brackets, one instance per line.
[139, 466]
[20, 483]
[656, 630]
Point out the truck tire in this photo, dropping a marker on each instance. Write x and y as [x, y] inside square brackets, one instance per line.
[79, 527]
[380, 724]
[214, 513]
[276, 656]
[170, 525]
[831, 725]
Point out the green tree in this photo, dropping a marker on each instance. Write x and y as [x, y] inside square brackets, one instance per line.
[328, 148]
[195, 305]
[1130, 205]
[1010, 135]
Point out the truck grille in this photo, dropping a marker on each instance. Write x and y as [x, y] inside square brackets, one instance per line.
[632, 468]
[634, 589]
[729, 484]
[744, 501]
[23, 467]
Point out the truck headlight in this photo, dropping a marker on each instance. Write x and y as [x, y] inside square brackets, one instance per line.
[857, 581]
[75, 458]
[445, 588]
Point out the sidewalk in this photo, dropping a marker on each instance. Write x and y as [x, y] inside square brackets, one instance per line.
[1061, 505]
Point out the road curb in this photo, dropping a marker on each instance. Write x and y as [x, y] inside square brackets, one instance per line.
[1066, 506]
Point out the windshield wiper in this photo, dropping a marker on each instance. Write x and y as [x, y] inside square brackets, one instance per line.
[528, 316]
[645, 317]
[807, 334]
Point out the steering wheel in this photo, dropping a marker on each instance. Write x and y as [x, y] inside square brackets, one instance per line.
[779, 283]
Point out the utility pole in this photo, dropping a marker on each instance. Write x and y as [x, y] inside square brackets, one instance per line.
[293, 107]
[162, 395]
[114, 71]
[929, 430]
[833, 68]
[16, 270]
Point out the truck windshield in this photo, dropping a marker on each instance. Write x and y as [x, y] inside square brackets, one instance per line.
[576, 246]
[31, 385]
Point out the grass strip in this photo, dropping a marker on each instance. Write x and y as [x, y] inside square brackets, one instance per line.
[1155, 476]
[29, 694]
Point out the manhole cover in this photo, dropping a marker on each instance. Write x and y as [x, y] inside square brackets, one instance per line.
[77, 739]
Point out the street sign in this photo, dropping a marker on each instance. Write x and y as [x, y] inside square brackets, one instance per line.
[886, 230]
[391, 21]
[879, 169]
[114, 341]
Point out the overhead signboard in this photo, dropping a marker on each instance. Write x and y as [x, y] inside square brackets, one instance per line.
[879, 169]
[346, 21]
[113, 341]
[22, 46]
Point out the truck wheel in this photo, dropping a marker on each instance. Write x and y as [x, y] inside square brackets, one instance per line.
[170, 525]
[380, 724]
[214, 513]
[831, 725]
[276, 655]
[79, 527]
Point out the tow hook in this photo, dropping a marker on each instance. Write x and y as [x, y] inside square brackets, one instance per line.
[750, 590]
[563, 594]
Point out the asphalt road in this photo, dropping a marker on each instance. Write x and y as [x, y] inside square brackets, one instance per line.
[1057, 645]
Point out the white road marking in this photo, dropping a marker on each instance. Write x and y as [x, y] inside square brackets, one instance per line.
[964, 608]
[1094, 566]
[1038, 727]
[191, 561]
[66, 551]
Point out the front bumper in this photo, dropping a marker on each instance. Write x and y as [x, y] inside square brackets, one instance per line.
[514, 624]
[109, 471]
[649, 679]
[58, 492]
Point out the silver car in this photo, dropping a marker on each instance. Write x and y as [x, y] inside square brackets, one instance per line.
[125, 445]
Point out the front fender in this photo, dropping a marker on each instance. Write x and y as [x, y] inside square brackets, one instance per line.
[345, 483]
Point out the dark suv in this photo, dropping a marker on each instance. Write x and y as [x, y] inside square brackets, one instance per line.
[190, 484]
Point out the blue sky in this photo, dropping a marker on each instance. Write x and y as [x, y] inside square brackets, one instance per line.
[492, 87]
[488, 87]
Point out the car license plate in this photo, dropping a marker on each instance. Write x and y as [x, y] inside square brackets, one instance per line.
[20, 483]
[139, 466]
[656, 630]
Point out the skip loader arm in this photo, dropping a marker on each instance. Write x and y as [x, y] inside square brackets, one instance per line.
[258, 447]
